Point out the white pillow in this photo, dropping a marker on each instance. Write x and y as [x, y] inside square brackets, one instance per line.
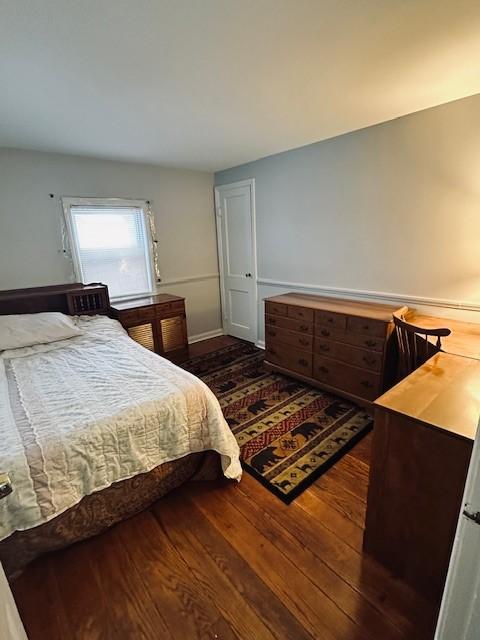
[28, 329]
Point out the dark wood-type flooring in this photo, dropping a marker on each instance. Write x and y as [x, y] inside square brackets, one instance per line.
[228, 561]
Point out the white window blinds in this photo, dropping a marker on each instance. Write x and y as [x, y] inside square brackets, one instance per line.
[111, 244]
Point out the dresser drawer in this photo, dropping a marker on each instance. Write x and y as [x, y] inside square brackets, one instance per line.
[276, 309]
[365, 326]
[356, 339]
[300, 340]
[331, 319]
[289, 323]
[300, 313]
[288, 357]
[371, 360]
[359, 382]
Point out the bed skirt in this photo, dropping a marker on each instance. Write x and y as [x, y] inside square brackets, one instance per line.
[99, 511]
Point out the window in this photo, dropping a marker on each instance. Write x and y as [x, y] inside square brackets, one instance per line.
[110, 242]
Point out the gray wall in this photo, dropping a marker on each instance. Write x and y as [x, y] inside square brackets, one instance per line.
[393, 209]
[30, 231]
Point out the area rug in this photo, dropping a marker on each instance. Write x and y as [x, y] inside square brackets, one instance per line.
[289, 433]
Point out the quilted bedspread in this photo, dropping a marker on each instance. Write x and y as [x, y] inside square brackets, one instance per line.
[81, 414]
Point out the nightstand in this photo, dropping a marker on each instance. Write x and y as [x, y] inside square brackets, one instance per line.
[156, 322]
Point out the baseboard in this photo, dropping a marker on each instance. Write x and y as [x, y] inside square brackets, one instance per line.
[205, 336]
[260, 344]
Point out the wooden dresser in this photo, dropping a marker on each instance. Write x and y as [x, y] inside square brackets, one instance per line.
[342, 346]
[157, 322]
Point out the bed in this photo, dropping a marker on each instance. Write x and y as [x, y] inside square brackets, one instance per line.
[94, 428]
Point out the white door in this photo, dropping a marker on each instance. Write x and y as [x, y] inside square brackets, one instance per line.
[235, 208]
[460, 611]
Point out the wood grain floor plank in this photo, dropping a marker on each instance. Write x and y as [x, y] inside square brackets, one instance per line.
[254, 611]
[351, 475]
[330, 517]
[340, 499]
[393, 598]
[187, 609]
[315, 610]
[37, 595]
[363, 449]
[284, 532]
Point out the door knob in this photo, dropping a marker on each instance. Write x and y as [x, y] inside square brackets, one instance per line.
[248, 275]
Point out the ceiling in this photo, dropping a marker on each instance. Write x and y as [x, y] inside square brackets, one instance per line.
[209, 84]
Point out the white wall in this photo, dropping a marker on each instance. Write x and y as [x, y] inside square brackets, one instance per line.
[30, 231]
[393, 210]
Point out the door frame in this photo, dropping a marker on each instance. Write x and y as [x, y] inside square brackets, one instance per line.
[249, 182]
[457, 611]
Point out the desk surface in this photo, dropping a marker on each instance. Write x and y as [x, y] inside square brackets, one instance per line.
[443, 393]
[464, 339]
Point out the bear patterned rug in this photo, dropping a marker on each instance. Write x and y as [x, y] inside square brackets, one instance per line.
[289, 433]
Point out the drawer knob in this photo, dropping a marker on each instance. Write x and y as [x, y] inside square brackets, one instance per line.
[367, 384]
[303, 341]
[330, 320]
[325, 332]
[371, 343]
[323, 369]
[370, 360]
[273, 321]
[324, 347]
[366, 327]
[303, 327]
[303, 362]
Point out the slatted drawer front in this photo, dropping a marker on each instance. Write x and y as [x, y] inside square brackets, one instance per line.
[143, 334]
[366, 326]
[289, 337]
[371, 360]
[289, 323]
[276, 309]
[288, 357]
[359, 382]
[331, 319]
[173, 334]
[355, 339]
[300, 313]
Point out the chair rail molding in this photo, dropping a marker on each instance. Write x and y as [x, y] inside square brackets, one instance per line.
[198, 278]
[380, 296]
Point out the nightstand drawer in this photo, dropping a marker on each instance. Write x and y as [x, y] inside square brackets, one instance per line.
[145, 313]
[128, 316]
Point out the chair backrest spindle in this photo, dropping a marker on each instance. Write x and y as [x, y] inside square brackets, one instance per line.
[414, 345]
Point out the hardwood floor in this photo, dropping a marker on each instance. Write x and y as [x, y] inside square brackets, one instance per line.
[229, 561]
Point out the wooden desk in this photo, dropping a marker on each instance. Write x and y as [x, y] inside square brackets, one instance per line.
[423, 438]
[464, 339]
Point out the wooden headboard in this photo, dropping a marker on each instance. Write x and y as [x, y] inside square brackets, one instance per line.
[72, 299]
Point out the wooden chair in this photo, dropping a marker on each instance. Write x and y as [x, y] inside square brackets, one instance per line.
[414, 346]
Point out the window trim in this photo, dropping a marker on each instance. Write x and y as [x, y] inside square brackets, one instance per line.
[70, 239]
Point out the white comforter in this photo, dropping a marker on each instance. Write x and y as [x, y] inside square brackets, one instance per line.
[81, 414]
